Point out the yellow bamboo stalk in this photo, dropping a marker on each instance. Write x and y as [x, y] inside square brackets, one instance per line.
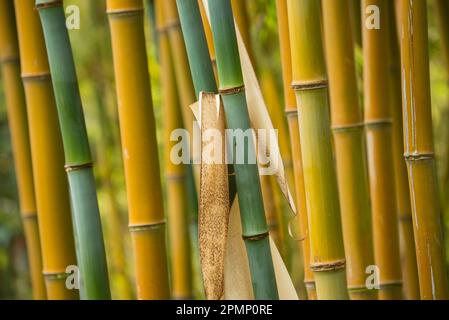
[174, 174]
[52, 196]
[404, 210]
[209, 37]
[146, 212]
[378, 124]
[347, 124]
[419, 151]
[17, 118]
[292, 117]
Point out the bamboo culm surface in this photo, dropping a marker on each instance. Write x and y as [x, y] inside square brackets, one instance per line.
[349, 138]
[89, 236]
[419, 151]
[254, 225]
[18, 123]
[311, 87]
[139, 145]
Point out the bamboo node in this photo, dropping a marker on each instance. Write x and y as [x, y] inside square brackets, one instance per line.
[256, 237]
[55, 275]
[309, 85]
[10, 59]
[175, 177]
[416, 156]
[29, 216]
[77, 167]
[348, 127]
[125, 12]
[50, 4]
[391, 283]
[145, 227]
[378, 123]
[328, 266]
[291, 112]
[230, 91]
[43, 76]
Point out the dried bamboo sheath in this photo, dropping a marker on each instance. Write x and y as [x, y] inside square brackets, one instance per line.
[17, 118]
[138, 135]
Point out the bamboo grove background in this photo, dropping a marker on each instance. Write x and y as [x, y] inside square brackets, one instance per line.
[366, 193]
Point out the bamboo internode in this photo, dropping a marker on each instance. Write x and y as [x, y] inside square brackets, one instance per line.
[87, 225]
[18, 123]
[310, 84]
[139, 145]
[419, 151]
[378, 123]
[347, 123]
[291, 112]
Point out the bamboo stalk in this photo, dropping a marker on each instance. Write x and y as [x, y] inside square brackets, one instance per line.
[419, 151]
[254, 226]
[239, 9]
[17, 118]
[310, 85]
[292, 117]
[52, 194]
[209, 37]
[146, 212]
[355, 7]
[175, 174]
[379, 133]
[404, 210]
[87, 224]
[348, 130]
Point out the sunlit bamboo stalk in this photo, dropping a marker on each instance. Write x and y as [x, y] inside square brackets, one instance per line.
[174, 173]
[404, 210]
[139, 145]
[310, 84]
[292, 117]
[18, 124]
[419, 151]
[379, 134]
[52, 194]
[87, 225]
[349, 135]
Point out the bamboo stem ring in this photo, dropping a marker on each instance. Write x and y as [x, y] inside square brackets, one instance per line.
[9, 59]
[231, 91]
[125, 12]
[76, 167]
[328, 266]
[256, 237]
[40, 76]
[51, 4]
[415, 157]
[146, 226]
[310, 85]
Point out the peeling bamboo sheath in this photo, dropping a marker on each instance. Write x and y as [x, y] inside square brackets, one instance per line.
[292, 117]
[404, 210]
[349, 141]
[254, 226]
[175, 174]
[310, 85]
[419, 151]
[380, 155]
[52, 195]
[87, 225]
[138, 135]
[17, 118]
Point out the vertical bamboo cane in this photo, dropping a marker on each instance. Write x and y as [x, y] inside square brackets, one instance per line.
[291, 111]
[404, 210]
[241, 18]
[87, 224]
[380, 155]
[175, 174]
[356, 20]
[17, 117]
[254, 226]
[146, 212]
[310, 84]
[347, 124]
[419, 151]
[52, 194]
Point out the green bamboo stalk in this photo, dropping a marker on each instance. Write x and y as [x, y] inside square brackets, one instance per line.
[311, 87]
[87, 225]
[199, 59]
[254, 225]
